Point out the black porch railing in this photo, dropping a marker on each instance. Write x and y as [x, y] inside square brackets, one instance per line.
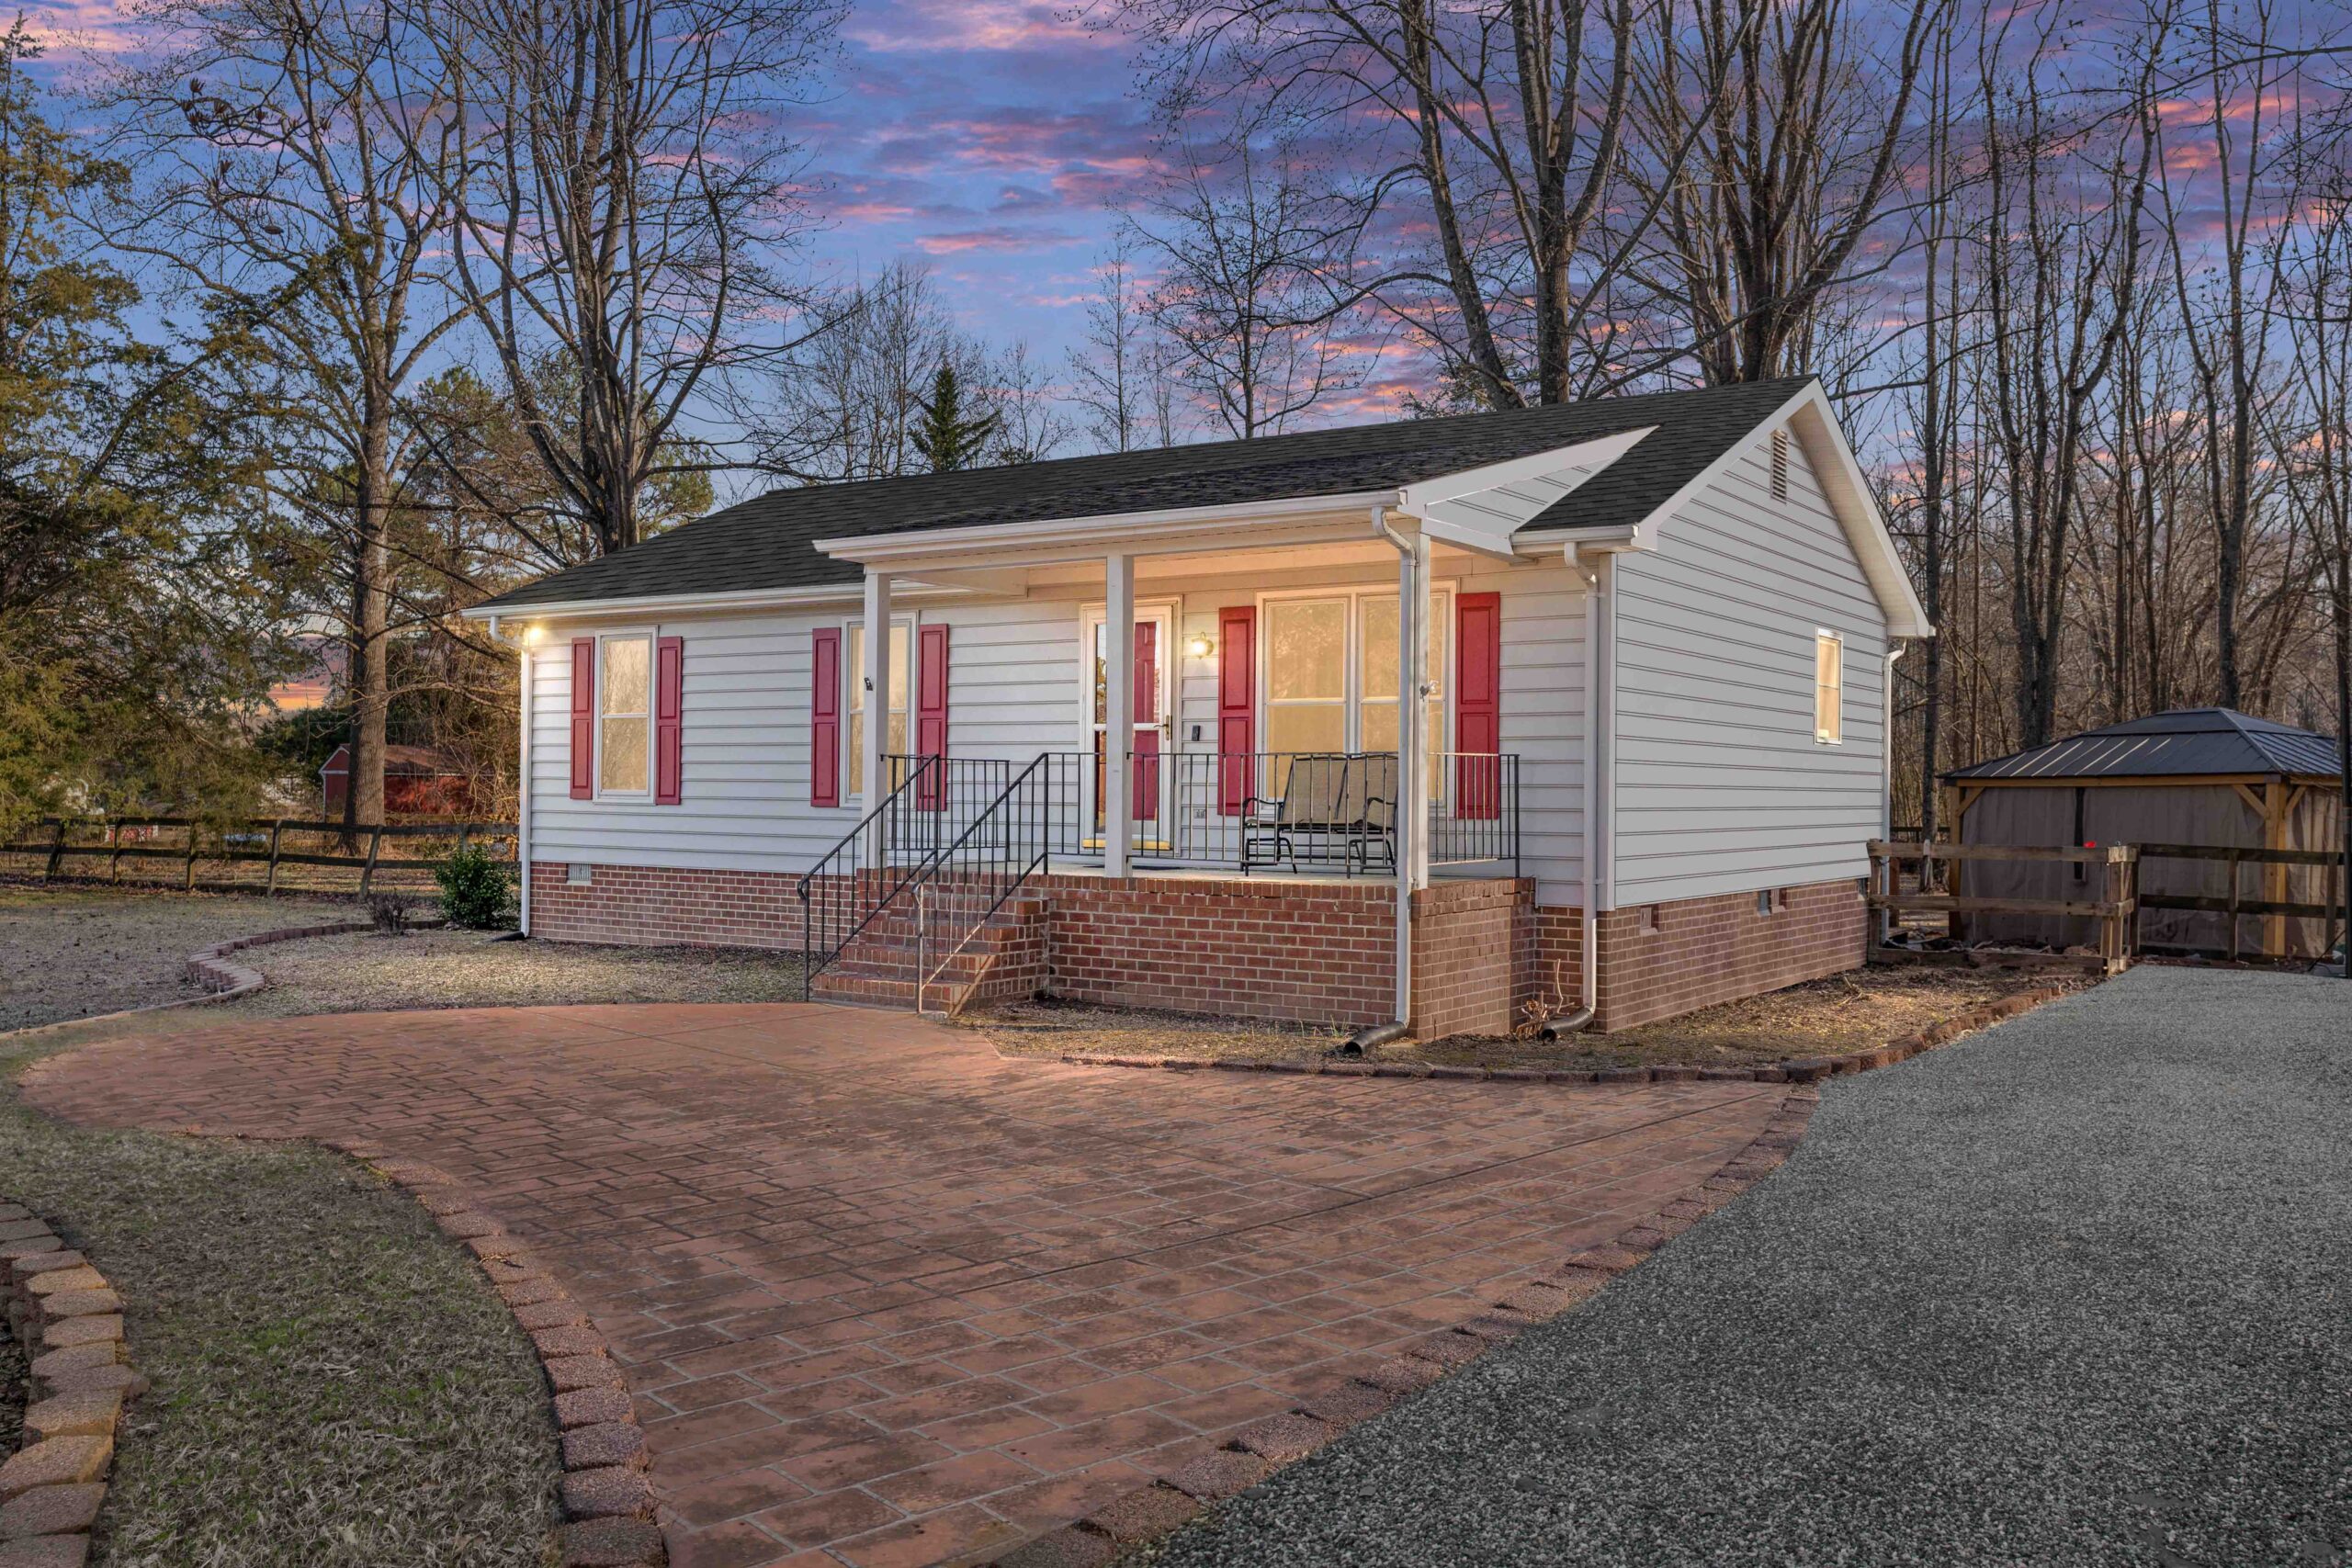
[1332, 813]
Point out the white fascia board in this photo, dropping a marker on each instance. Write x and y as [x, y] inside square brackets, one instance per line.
[1810, 416]
[674, 604]
[1073, 538]
[1498, 514]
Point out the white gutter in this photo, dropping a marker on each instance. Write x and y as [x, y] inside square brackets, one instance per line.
[1104, 531]
[656, 603]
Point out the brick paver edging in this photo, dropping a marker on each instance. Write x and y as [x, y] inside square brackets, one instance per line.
[1796, 1069]
[69, 1321]
[1278, 1440]
[607, 1503]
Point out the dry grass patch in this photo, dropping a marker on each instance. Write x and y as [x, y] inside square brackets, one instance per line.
[1820, 1018]
[73, 953]
[370, 972]
[335, 1384]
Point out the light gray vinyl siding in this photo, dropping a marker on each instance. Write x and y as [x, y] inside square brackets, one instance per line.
[1720, 786]
[1015, 691]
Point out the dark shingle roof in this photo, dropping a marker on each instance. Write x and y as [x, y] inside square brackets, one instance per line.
[2186, 740]
[767, 541]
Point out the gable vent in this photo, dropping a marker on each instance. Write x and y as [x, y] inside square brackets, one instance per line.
[1780, 465]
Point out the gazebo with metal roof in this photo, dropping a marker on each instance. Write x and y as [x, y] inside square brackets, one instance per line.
[2206, 777]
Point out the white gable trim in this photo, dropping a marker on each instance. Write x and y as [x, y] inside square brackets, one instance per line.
[1483, 509]
[1848, 493]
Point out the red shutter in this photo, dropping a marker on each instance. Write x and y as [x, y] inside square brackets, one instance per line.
[584, 718]
[931, 715]
[1147, 726]
[669, 707]
[1477, 704]
[825, 716]
[1237, 707]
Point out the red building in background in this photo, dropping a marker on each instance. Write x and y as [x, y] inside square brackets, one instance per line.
[418, 782]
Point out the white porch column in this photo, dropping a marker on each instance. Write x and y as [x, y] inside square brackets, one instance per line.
[1118, 709]
[1412, 752]
[1416, 686]
[874, 700]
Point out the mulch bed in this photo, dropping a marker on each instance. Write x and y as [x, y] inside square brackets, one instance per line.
[1834, 1017]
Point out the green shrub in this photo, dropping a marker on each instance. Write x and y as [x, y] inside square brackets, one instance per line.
[476, 889]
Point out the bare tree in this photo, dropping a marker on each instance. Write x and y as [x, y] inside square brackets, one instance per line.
[1242, 240]
[1108, 374]
[2228, 341]
[1773, 147]
[1488, 136]
[293, 177]
[1030, 422]
[2061, 268]
[623, 193]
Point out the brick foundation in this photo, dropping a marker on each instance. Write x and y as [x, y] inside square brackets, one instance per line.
[1706, 950]
[646, 907]
[1305, 952]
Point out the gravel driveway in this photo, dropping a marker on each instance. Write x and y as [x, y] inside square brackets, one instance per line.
[2074, 1290]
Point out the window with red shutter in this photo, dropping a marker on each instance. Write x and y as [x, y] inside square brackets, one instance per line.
[1237, 707]
[1477, 706]
[825, 716]
[584, 718]
[669, 707]
[930, 716]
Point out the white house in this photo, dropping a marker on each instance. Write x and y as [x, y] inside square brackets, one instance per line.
[1649, 637]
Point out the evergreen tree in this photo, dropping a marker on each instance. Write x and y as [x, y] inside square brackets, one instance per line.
[948, 438]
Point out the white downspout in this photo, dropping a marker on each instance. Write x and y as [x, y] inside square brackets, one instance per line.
[1886, 741]
[1410, 789]
[1599, 715]
[523, 647]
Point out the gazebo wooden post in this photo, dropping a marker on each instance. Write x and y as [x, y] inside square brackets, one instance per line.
[2274, 874]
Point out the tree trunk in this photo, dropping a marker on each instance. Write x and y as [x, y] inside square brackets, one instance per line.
[370, 674]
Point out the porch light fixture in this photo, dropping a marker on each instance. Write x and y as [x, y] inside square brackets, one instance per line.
[1200, 645]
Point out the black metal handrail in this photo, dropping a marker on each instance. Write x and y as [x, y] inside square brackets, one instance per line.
[970, 880]
[877, 862]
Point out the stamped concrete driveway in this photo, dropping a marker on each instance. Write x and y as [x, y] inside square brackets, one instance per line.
[2077, 1289]
[884, 1297]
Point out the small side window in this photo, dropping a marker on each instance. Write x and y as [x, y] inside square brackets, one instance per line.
[1828, 688]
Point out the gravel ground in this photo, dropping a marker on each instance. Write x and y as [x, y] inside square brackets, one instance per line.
[70, 953]
[2072, 1290]
[370, 973]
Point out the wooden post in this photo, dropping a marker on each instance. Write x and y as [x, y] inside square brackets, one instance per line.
[374, 844]
[187, 876]
[56, 851]
[2275, 807]
[2233, 912]
[269, 882]
[114, 850]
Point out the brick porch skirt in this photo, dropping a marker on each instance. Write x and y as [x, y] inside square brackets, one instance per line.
[1298, 951]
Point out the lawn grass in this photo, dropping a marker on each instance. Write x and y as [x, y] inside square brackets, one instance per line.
[334, 1382]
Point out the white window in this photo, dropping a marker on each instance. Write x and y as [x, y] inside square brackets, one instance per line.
[1329, 672]
[1828, 688]
[624, 715]
[894, 737]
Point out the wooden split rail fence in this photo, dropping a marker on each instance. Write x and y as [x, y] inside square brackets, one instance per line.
[65, 847]
[2116, 909]
[2121, 898]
